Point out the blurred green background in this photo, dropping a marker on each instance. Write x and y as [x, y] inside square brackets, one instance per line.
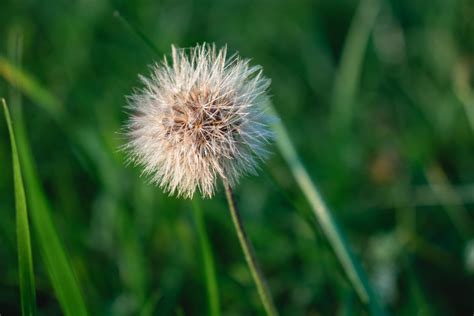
[377, 96]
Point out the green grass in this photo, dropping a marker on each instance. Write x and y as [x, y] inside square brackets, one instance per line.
[55, 259]
[25, 259]
[373, 167]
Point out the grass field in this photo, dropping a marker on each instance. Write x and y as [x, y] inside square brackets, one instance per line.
[364, 207]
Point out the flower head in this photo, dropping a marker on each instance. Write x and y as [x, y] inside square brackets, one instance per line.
[197, 119]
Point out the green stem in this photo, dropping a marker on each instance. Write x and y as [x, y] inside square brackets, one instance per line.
[249, 254]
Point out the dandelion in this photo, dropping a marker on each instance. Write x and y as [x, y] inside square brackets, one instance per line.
[198, 119]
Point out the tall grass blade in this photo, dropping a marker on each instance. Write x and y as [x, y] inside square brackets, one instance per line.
[347, 76]
[25, 259]
[208, 260]
[53, 253]
[329, 226]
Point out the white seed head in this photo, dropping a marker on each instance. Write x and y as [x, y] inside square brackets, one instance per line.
[197, 119]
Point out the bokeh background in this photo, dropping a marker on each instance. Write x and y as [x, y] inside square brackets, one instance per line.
[377, 96]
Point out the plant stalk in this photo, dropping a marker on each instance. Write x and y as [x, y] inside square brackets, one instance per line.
[249, 253]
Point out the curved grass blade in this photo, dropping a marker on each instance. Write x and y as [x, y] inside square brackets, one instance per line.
[208, 260]
[19, 78]
[59, 269]
[25, 259]
[328, 224]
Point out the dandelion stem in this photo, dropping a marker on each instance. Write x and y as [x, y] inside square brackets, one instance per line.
[249, 254]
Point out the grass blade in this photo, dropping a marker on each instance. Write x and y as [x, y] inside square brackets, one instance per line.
[25, 259]
[348, 74]
[208, 260]
[54, 256]
[328, 224]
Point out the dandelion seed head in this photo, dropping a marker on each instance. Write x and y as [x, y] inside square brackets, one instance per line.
[199, 117]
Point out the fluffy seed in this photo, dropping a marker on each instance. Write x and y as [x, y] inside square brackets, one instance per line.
[199, 118]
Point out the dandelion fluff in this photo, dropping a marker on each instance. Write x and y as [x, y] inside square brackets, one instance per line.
[199, 118]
